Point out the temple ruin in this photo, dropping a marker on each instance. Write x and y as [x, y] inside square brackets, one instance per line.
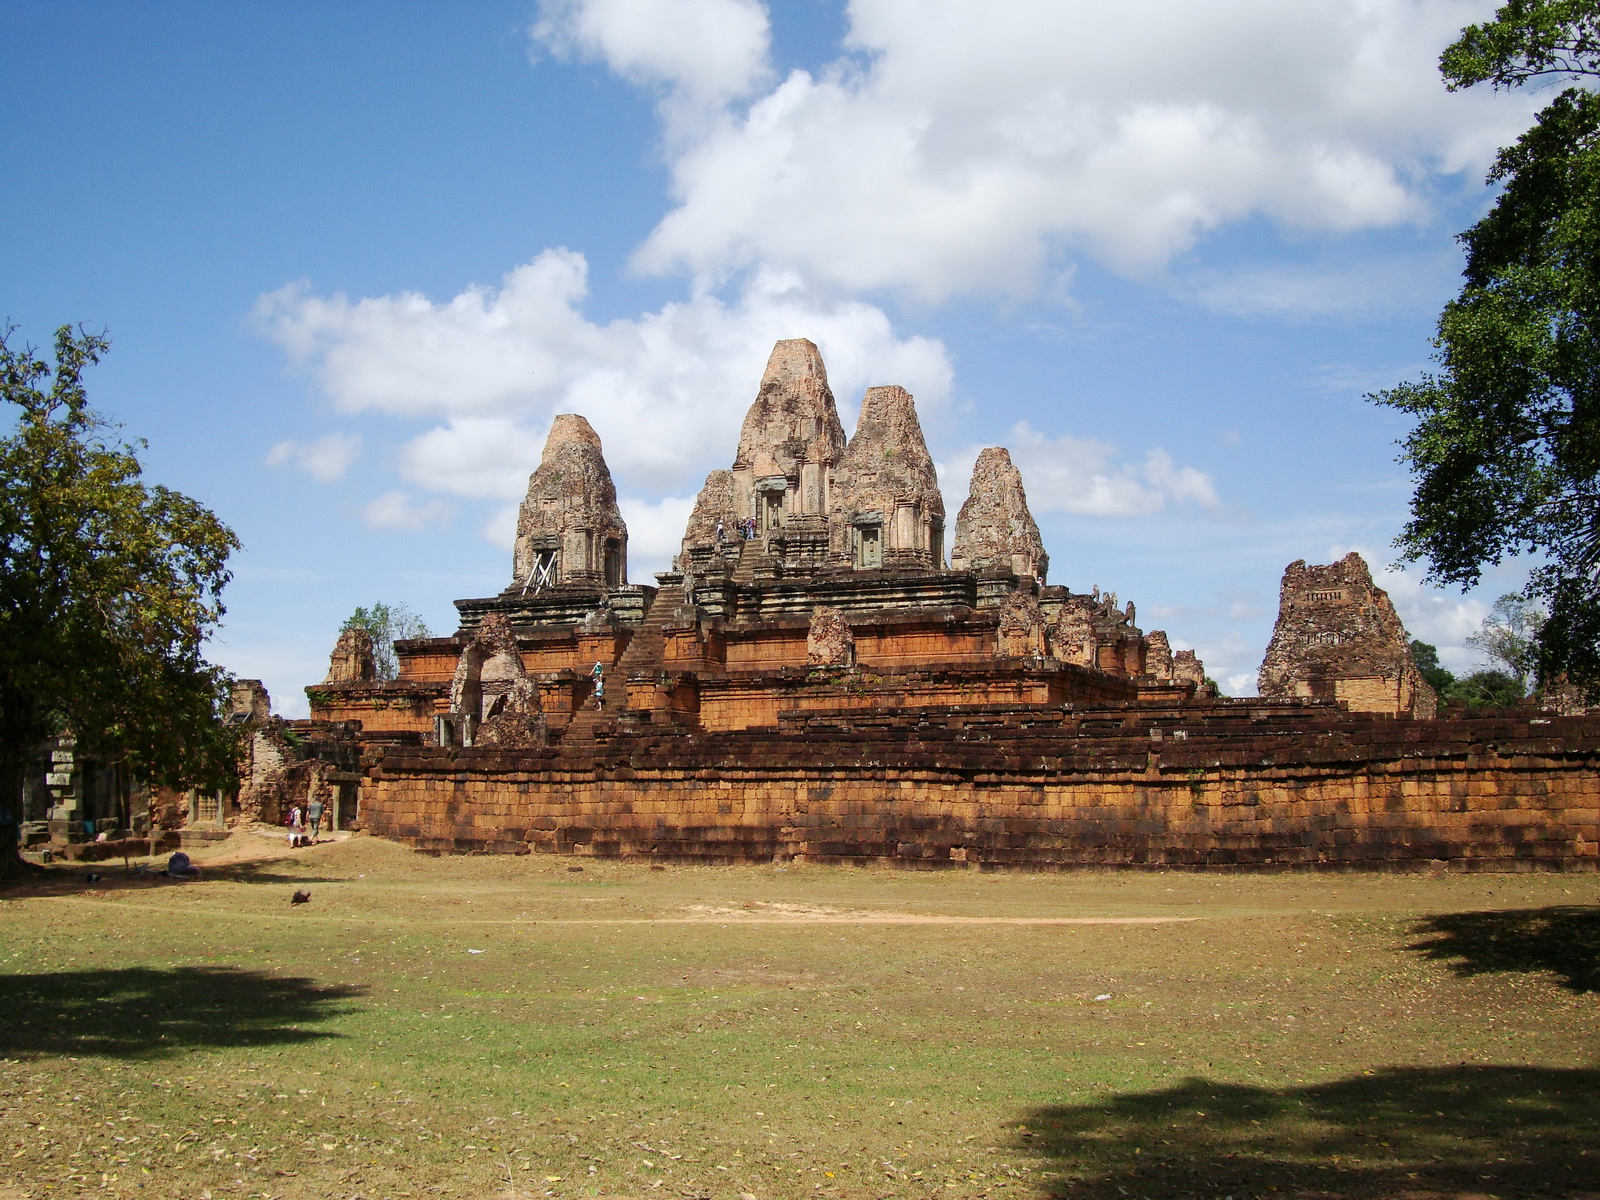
[811, 679]
[1339, 638]
[805, 526]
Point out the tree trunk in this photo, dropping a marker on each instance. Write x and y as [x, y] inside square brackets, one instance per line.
[12, 865]
[125, 811]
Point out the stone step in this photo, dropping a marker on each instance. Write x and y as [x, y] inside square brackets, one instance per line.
[753, 561]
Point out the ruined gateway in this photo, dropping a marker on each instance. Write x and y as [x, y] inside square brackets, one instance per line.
[812, 680]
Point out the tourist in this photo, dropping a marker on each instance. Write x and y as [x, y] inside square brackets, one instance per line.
[599, 677]
[296, 823]
[314, 813]
[719, 531]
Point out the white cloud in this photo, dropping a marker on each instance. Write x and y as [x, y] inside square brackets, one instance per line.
[703, 52]
[666, 391]
[1084, 477]
[655, 533]
[968, 145]
[326, 459]
[401, 513]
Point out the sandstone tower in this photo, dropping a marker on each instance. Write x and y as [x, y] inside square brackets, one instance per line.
[995, 528]
[1339, 638]
[569, 529]
[887, 510]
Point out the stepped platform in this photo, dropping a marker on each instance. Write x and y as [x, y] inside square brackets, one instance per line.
[1005, 787]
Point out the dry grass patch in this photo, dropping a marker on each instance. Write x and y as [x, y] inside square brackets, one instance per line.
[476, 1027]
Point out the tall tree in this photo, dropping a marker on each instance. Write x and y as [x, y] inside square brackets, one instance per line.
[387, 623]
[109, 588]
[1509, 636]
[1506, 450]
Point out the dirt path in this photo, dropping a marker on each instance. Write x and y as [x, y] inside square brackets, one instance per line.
[751, 916]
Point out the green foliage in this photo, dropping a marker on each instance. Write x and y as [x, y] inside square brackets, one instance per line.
[1509, 636]
[1506, 450]
[387, 623]
[1528, 39]
[1427, 659]
[109, 588]
[1481, 689]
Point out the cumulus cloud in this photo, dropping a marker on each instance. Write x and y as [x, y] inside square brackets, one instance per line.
[326, 459]
[655, 532]
[969, 145]
[666, 391]
[400, 512]
[702, 53]
[1086, 477]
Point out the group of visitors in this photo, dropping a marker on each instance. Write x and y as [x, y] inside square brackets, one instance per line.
[303, 818]
[745, 525]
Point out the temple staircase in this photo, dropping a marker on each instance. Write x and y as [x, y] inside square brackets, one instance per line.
[755, 562]
[645, 655]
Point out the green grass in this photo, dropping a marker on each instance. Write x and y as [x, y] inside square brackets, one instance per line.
[700, 1032]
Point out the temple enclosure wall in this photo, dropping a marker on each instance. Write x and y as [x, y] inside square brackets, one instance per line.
[1234, 785]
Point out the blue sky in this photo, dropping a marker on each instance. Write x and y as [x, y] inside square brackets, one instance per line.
[353, 257]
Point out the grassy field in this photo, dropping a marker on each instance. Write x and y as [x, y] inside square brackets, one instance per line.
[510, 1027]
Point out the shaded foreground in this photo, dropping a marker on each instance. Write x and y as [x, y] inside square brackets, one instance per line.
[1441, 1131]
[508, 1027]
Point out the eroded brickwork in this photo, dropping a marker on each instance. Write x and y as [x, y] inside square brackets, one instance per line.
[995, 528]
[492, 698]
[352, 659]
[1021, 627]
[1240, 784]
[829, 641]
[1158, 655]
[569, 528]
[1338, 638]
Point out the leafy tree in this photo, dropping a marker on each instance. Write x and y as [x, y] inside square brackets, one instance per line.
[1506, 450]
[1495, 689]
[1426, 657]
[1509, 636]
[109, 588]
[387, 624]
[1480, 689]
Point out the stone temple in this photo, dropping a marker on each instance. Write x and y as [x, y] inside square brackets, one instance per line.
[829, 672]
[808, 539]
[1339, 638]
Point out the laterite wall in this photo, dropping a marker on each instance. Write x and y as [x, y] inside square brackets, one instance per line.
[1247, 786]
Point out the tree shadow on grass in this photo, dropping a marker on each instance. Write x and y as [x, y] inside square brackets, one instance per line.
[1564, 939]
[153, 1013]
[266, 871]
[1415, 1132]
[76, 881]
